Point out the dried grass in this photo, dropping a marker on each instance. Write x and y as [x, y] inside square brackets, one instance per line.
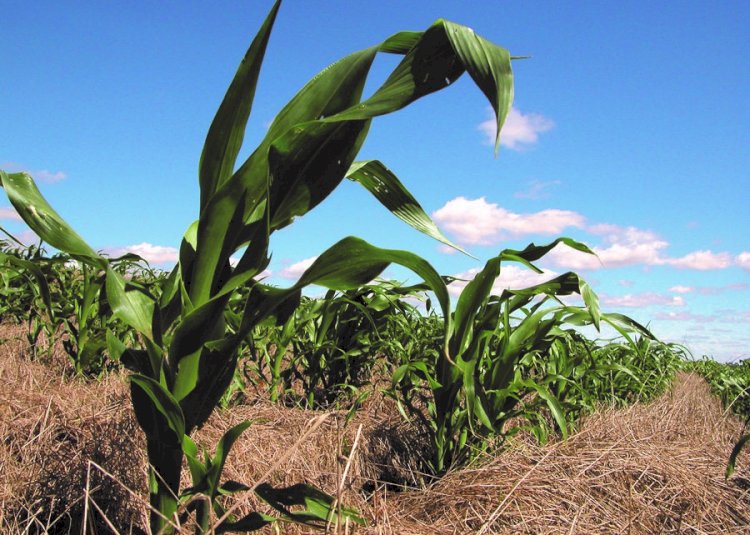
[647, 469]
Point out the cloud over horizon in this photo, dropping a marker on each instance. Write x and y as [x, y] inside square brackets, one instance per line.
[478, 222]
[153, 254]
[295, 271]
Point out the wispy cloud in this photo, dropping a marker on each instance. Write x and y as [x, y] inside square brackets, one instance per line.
[711, 290]
[642, 300]
[681, 289]
[684, 316]
[9, 214]
[41, 175]
[536, 190]
[49, 177]
[520, 131]
[628, 246]
[478, 222]
[296, 270]
[743, 260]
[700, 260]
[153, 254]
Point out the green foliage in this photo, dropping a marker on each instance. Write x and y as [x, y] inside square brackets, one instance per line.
[185, 352]
[462, 375]
[731, 383]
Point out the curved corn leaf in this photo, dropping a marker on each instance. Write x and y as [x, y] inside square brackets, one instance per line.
[591, 301]
[227, 130]
[489, 66]
[307, 163]
[158, 413]
[735, 453]
[43, 219]
[220, 456]
[312, 506]
[130, 304]
[552, 403]
[388, 189]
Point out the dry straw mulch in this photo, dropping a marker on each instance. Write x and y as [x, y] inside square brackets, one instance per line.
[646, 469]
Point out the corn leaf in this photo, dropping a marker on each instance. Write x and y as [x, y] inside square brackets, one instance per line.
[130, 304]
[388, 189]
[43, 219]
[227, 130]
[489, 66]
[158, 413]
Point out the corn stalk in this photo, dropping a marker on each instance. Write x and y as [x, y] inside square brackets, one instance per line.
[187, 355]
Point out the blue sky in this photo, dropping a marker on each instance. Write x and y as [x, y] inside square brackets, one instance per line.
[629, 132]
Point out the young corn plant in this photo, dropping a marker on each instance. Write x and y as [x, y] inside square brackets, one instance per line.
[477, 386]
[187, 353]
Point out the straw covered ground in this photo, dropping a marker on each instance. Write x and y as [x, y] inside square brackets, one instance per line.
[71, 454]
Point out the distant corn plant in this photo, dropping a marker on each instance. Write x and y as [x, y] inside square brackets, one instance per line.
[731, 383]
[482, 381]
[187, 353]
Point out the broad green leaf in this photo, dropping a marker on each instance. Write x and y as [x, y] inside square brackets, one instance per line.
[130, 304]
[115, 347]
[227, 130]
[161, 408]
[591, 301]
[489, 66]
[388, 189]
[332, 90]
[43, 219]
[474, 296]
[307, 163]
[347, 264]
[203, 324]
[735, 453]
[222, 451]
[312, 506]
[552, 403]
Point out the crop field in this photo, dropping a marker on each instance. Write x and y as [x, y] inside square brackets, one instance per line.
[205, 400]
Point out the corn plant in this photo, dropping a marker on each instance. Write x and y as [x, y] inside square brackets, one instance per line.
[731, 383]
[478, 385]
[187, 355]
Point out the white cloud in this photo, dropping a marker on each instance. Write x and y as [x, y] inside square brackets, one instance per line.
[42, 175]
[519, 131]
[700, 260]
[536, 190]
[510, 277]
[153, 254]
[477, 222]
[683, 316]
[642, 300]
[681, 289]
[296, 270]
[9, 213]
[49, 177]
[627, 246]
[743, 260]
